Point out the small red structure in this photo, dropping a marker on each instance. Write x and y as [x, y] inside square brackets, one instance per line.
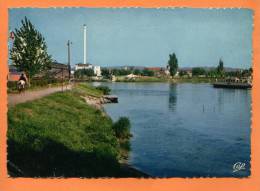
[13, 74]
[13, 77]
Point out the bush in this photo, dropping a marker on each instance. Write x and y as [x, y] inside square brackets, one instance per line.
[106, 90]
[125, 145]
[40, 82]
[122, 127]
[12, 85]
[198, 71]
[147, 72]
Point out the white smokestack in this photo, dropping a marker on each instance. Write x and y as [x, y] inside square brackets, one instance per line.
[85, 44]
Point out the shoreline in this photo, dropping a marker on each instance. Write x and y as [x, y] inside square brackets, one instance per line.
[157, 80]
[98, 103]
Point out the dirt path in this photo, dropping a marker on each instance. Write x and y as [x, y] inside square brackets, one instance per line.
[29, 95]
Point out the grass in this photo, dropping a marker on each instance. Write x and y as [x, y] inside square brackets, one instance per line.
[60, 135]
[13, 88]
[87, 89]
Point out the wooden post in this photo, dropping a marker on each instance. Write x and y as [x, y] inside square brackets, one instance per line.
[62, 79]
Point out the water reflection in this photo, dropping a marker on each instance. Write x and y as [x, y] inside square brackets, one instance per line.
[220, 99]
[227, 97]
[172, 97]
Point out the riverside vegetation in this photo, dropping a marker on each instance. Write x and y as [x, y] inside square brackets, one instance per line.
[60, 135]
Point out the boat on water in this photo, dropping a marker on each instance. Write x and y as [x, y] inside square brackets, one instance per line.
[234, 83]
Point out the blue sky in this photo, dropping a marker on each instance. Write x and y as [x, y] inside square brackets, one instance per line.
[145, 37]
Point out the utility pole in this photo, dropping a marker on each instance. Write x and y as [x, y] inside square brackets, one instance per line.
[69, 67]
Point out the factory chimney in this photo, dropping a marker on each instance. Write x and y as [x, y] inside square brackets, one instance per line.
[85, 44]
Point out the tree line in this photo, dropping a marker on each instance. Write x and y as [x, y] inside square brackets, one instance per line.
[219, 71]
[123, 72]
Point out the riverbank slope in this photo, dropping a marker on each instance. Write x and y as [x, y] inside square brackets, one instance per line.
[61, 135]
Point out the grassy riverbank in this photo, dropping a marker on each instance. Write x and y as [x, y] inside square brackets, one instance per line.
[60, 135]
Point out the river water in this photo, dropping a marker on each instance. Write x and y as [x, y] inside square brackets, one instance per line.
[185, 130]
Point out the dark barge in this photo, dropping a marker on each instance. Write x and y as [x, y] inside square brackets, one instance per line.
[232, 85]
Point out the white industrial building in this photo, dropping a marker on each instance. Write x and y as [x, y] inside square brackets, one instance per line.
[83, 66]
[97, 70]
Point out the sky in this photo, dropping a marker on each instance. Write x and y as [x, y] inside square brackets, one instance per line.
[145, 37]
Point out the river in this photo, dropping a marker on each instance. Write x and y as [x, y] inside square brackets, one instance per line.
[185, 130]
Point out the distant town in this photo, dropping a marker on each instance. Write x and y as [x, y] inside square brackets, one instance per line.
[46, 70]
[90, 72]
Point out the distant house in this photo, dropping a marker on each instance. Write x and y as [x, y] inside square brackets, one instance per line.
[59, 70]
[96, 69]
[177, 74]
[155, 69]
[185, 72]
[131, 76]
[158, 71]
[83, 66]
[56, 70]
[113, 78]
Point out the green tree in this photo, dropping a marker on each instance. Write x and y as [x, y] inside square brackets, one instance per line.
[247, 72]
[173, 64]
[147, 72]
[137, 72]
[29, 51]
[105, 72]
[183, 73]
[84, 73]
[212, 73]
[220, 68]
[198, 71]
[121, 72]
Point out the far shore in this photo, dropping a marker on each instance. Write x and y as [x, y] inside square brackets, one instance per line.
[154, 79]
